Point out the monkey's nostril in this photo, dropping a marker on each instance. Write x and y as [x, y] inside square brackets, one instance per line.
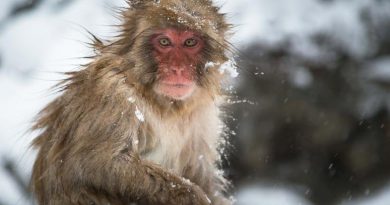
[177, 69]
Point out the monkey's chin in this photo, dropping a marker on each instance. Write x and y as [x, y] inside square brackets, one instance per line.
[175, 91]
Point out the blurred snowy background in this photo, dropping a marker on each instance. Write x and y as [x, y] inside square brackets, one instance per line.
[314, 125]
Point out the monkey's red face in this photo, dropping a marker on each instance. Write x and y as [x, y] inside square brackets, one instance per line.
[177, 54]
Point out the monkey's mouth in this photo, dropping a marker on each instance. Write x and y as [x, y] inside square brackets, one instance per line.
[177, 91]
[178, 85]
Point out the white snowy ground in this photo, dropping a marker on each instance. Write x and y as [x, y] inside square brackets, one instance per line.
[47, 40]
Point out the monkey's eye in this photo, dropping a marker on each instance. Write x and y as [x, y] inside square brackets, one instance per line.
[190, 42]
[164, 42]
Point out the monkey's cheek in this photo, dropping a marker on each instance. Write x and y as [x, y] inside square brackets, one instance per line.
[176, 91]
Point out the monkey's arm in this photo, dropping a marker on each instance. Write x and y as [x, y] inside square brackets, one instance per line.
[136, 180]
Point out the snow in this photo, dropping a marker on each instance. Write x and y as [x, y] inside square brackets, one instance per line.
[34, 48]
[37, 45]
[5, 8]
[271, 22]
[301, 77]
[131, 99]
[268, 195]
[382, 198]
[230, 67]
[136, 142]
[379, 69]
[209, 65]
[139, 114]
[208, 199]
[8, 189]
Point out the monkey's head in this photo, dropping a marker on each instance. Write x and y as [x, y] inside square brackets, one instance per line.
[176, 54]
[168, 43]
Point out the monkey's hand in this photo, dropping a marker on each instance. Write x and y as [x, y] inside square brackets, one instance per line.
[169, 189]
[188, 193]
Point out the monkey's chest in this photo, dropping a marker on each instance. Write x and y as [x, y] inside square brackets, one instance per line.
[170, 147]
[174, 145]
[181, 143]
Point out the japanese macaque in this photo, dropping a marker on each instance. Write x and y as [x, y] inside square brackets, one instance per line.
[141, 122]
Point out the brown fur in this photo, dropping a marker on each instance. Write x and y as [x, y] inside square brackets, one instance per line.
[94, 150]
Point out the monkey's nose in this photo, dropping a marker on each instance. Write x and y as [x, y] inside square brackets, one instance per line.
[177, 70]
